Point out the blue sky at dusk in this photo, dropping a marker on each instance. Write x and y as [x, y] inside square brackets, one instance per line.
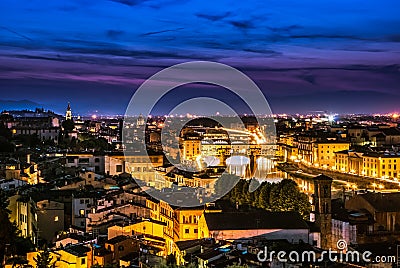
[339, 56]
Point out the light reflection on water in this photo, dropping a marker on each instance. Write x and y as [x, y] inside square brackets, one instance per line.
[264, 169]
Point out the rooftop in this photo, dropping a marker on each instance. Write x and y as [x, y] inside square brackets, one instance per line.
[117, 239]
[77, 250]
[254, 220]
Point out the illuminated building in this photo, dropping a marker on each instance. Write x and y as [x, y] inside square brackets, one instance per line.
[381, 165]
[185, 223]
[72, 256]
[23, 213]
[68, 113]
[349, 161]
[190, 148]
[324, 152]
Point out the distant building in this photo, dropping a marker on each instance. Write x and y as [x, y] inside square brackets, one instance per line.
[68, 113]
[11, 184]
[324, 152]
[140, 121]
[190, 147]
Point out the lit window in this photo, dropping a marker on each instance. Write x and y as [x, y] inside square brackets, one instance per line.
[56, 218]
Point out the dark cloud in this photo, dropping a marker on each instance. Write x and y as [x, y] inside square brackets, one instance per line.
[264, 52]
[162, 31]
[213, 17]
[244, 24]
[16, 33]
[308, 78]
[130, 3]
[394, 38]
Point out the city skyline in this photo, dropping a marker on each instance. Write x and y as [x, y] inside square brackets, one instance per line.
[340, 57]
[159, 133]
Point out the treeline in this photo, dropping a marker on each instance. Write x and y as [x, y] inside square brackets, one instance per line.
[282, 196]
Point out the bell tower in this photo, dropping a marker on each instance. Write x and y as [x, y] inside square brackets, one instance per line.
[68, 113]
[322, 206]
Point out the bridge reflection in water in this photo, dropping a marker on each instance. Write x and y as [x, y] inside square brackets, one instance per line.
[265, 169]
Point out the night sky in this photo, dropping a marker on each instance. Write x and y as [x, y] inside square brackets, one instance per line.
[338, 56]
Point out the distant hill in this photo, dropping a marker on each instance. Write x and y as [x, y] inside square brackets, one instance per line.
[18, 105]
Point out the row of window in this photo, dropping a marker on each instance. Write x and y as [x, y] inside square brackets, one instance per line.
[84, 201]
[187, 231]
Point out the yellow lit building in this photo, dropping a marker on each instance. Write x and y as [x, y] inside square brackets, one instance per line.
[371, 164]
[342, 161]
[304, 144]
[186, 223]
[190, 148]
[349, 162]
[23, 214]
[75, 256]
[162, 211]
[324, 152]
[381, 165]
[153, 231]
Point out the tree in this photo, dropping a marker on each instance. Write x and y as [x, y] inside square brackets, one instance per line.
[68, 125]
[283, 196]
[225, 183]
[7, 234]
[263, 197]
[171, 260]
[44, 259]
[286, 196]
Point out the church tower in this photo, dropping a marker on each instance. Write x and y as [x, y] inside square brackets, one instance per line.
[322, 207]
[68, 113]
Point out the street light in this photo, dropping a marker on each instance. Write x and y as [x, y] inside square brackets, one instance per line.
[374, 185]
[381, 186]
